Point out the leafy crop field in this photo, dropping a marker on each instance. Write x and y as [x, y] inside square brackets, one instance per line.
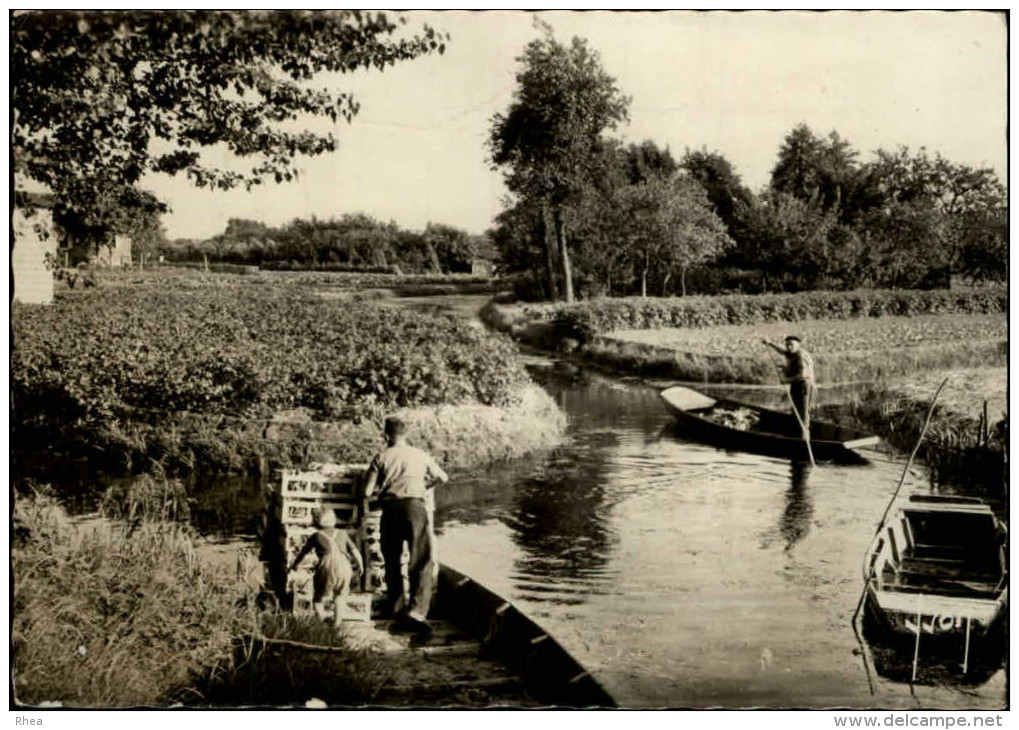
[149, 344]
[187, 279]
[104, 352]
[844, 350]
[822, 337]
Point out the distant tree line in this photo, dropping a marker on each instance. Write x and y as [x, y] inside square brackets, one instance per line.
[356, 241]
[589, 216]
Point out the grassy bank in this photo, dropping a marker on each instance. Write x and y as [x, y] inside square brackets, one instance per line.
[123, 612]
[461, 436]
[114, 615]
[964, 443]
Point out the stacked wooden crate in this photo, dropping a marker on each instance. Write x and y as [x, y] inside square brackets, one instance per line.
[336, 487]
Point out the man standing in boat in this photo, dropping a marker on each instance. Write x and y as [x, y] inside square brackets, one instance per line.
[400, 476]
[799, 374]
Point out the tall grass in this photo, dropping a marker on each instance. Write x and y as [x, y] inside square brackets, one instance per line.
[120, 611]
[108, 614]
[958, 448]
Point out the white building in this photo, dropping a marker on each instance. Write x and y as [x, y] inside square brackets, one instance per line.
[34, 237]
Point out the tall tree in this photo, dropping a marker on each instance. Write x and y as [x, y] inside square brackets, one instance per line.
[783, 237]
[101, 98]
[453, 247]
[958, 203]
[798, 169]
[518, 236]
[724, 188]
[671, 228]
[647, 160]
[985, 253]
[817, 170]
[549, 139]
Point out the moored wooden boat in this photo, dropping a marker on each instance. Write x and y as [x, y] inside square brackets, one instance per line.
[937, 568]
[740, 426]
[482, 644]
[547, 672]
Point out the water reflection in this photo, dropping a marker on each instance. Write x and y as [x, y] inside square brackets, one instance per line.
[940, 661]
[797, 514]
[227, 505]
[799, 508]
[561, 522]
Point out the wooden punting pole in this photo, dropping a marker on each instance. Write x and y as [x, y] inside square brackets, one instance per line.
[965, 653]
[916, 649]
[803, 426]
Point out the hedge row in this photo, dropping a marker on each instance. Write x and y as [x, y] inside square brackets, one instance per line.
[328, 266]
[584, 320]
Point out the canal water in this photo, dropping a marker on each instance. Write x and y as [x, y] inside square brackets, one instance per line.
[682, 575]
[679, 574]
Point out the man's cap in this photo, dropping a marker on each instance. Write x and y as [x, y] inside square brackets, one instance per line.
[793, 337]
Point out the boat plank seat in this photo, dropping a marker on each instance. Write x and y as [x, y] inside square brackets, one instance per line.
[945, 577]
[942, 587]
[942, 569]
[923, 551]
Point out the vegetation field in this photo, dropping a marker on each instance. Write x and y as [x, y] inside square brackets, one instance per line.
[844, 350]
[153, 349]
[600, 316]
[175, 276]
[824, 337]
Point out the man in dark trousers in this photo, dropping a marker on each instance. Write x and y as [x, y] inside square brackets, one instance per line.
[799, 374]
[400, 476]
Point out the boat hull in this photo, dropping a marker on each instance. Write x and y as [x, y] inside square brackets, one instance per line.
[905, 615]
[549, 673]
[783, 440]
[936, 578]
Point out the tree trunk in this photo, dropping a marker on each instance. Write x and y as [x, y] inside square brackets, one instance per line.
[665, 284]
[643, 277]
[682, 280]
[564, 254]
[550, 246]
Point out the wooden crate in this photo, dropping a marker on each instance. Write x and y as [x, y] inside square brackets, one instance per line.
[336, 487]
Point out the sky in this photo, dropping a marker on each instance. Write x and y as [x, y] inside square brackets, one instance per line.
[732, 82]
